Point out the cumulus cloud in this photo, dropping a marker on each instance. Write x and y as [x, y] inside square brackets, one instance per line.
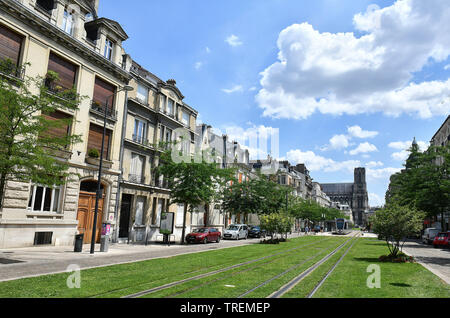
[381, 173]
[198, 65]
[375, 200]
[403, 146]
[234, 89]
[363, 148]
[318, 163]
[373, 164]
[233, 40]
[339, 73]
[358, 132]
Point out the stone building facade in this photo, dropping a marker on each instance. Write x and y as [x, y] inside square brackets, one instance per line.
[67, 37]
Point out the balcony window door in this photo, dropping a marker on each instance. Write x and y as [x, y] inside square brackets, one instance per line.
[108, 53]
[66, 71]
[104, 94]
[68, 22]
[185, 118]
[10, 45]
[142, 94]
[95, 140]
[170, 107]
[139, 131]
[137, 168]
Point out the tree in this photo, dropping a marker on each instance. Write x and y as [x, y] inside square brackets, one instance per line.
[395, 223]
[276, 223]
[192, 183]
[425, 181]
[28, 151]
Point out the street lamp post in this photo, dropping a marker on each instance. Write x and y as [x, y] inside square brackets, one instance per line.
[97, 197]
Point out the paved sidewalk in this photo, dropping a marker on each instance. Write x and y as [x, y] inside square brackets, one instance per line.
[36, 261]
[436, 260]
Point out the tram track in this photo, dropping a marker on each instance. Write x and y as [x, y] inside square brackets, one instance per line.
[219, 271]
[317, 287]
[295, 281]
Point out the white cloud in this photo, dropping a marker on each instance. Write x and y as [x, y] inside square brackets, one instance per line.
[447, 67]
[403, 146]
[358, 132]
[234, 89]
[339, 142]
[208, 50]
[363, 148]
[339, 73]
[233, 40]
[382, 173]
[198, 65]
[253, 88]
[375, 200]
[373, 164]
[318, 163]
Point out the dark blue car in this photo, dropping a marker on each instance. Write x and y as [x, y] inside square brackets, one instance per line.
[255, 231]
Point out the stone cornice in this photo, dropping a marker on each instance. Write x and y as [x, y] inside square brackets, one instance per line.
[25, 15]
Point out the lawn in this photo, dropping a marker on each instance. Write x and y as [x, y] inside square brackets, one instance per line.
[398, 280]
[348, 280]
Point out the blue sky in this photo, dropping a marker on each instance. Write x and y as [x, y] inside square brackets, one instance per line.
[371, 74]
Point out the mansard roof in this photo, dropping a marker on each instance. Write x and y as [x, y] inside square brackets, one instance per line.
[337, 188]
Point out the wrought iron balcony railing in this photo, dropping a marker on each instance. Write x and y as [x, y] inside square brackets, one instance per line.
[12, 71]
[141, 140]
[136, 178]
[100, 109]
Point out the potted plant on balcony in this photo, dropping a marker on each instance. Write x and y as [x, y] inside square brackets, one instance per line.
[94, 153]
[50, 79]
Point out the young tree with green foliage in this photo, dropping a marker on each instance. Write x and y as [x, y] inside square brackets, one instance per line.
[191, 182]
[28, 152]
[395, 223]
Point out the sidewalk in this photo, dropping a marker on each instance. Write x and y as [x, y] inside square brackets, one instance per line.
[36, 261]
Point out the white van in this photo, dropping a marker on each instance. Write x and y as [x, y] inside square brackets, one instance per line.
[236, 232]
[429, 234]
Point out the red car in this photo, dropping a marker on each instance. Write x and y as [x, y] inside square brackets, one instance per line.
[204, 235]
[441, 240]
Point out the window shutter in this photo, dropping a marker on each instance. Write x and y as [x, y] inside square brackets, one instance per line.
[95, 140]
[64, 68]
[10, 44]
[103, 91]
[62, 130]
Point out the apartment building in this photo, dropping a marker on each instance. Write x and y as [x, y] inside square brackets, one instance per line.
[155, 113]
[67, 37]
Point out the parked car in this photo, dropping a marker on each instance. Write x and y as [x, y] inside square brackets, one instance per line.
[429, 235]
[236, 232]
[441, 240]
[256, 231]
[204, 235]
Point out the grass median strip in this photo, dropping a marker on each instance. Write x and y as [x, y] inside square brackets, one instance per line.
[398, 280]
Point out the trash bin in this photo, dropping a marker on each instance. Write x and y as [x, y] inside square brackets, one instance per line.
[78, 243]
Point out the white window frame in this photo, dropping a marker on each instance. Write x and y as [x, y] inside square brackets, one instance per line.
[168, 109]
[185, 120]
[139, 93]
[66, 26]
[109, 49]
[139, 134]
[52, 200]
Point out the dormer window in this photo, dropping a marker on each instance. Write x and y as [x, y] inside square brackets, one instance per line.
[108, 49]
[68, 22]
[46, 5]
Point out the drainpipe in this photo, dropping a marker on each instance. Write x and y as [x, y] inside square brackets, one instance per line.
[124, 127]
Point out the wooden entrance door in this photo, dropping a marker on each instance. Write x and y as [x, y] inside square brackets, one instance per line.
[85, 216]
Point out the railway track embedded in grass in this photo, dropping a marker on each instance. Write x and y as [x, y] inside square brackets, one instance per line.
[222, 270]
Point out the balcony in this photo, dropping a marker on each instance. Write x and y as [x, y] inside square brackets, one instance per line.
[99, 109]
[136, 178]
[141, 141]
[162, 184]
[12, 72]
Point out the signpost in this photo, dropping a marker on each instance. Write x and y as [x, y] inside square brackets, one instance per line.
[166, 226]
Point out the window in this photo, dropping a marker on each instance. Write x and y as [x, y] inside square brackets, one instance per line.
[142, 93]
[47, 5]
[139, 131]
[67, 25]
[60, 130]
[168, 135]
[162, 106]
[137, 168]
[95, 140]
[185, 118]
[170, 104]
[66, 70]
[108, 49]
[139, 217]
[44, 199]
[10, 45]
[104, 94]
